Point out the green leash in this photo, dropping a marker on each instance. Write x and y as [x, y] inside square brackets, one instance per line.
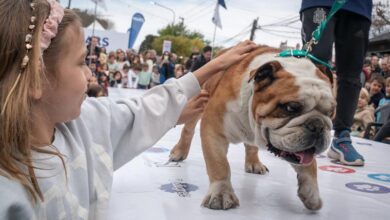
[316, 36]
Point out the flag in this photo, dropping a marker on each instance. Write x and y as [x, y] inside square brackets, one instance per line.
[216, 18]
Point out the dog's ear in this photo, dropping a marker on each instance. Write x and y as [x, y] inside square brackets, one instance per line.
[265, 74]
[326, 71]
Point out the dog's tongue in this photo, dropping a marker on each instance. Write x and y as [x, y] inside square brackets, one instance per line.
[305, 157]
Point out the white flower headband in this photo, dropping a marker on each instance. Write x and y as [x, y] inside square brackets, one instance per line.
[49, 31]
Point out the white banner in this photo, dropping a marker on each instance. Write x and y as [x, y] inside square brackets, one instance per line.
[167, 45]
[111, 40]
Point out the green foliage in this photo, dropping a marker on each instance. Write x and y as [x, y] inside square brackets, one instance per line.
[183, 40]
[180, 45]
[147, 43]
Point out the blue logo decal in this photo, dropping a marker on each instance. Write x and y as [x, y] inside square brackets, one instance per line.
[180, 188]
[380, 176]
[368, 187]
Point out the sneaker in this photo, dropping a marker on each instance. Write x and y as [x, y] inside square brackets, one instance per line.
[343, 151]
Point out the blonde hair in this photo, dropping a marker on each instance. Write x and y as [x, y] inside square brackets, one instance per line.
[15, 130]
[364, 94]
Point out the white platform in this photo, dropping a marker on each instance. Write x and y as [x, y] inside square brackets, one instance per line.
[147, 188]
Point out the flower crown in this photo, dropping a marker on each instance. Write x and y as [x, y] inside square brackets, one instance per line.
[49, 31]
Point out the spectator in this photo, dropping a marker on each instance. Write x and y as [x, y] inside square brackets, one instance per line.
[348, 30]
[93, 50]
[167, 69]
[202, 59]
[134, 76]
[121, 59]
[363, 116]
[191, 60]
[116, 82]
[95, 90]
[376, 86]
[144, 77]
[375, 64]
[384, 101]
[113, 65]
[179, 70]
[155, 76]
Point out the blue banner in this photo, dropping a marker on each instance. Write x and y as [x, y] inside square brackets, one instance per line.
[136, 24]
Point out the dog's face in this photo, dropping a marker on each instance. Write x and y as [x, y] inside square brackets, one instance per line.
[292, 106]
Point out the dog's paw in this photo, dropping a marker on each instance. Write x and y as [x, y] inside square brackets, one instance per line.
[178, 154]
[256, 168]
[221, 196]
[310, 196]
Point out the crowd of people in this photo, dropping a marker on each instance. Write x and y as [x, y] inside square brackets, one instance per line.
[132, 70]
[374, 95]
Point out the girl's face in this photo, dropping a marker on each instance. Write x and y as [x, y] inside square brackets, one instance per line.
[62, 98]
[375, 87]
[362, 101]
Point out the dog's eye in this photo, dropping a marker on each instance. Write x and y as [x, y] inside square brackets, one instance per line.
[291, 107]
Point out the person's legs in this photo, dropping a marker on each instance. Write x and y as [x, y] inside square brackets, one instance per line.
[351, 40]
[310, 20]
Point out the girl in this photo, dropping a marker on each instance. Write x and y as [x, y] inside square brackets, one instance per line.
[364, 114]
[58, 152]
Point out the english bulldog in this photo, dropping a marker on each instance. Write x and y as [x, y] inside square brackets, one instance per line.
[284, 104]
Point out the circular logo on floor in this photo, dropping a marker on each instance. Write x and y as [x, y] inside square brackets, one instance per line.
[179, 187]
[367, 187]
[337, 169]
[385, 177]
[157, 150]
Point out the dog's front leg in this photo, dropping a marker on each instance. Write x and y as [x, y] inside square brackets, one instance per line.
[307, 185]
[215, 146]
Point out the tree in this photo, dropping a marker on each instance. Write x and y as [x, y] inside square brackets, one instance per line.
[183, 40]
[181, 45]
[147, 43]
[380, 17]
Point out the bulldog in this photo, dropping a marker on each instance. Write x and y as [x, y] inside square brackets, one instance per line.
[284, 104]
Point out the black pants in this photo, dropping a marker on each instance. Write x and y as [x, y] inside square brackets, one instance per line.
[349, 32]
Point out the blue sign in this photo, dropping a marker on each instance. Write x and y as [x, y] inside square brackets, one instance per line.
[380, 176]
[368, 187]
[136, 25]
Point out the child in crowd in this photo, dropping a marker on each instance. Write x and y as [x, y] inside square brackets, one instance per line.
[376, 86]
[144, 77]
[125, 75]
[58, 149]
[116, 81]
[93, 80]
[133, 76]
[364, 114]
[95, 90]
[112, 64]
[384, 101]
[179, 70]
[155, 76]
[122, 59]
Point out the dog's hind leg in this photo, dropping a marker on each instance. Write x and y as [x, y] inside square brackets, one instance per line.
[308, 186]
[252, 161]
[182, 148]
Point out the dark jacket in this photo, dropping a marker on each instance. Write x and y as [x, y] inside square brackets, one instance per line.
[199, 62]
[361, 7]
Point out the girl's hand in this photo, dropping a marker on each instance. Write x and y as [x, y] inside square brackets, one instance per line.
[194, 107]
[225, 60]
[234, 54]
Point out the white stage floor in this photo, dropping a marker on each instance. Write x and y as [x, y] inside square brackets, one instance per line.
[148, 188]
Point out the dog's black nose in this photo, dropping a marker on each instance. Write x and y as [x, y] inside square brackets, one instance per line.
[315, 125]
